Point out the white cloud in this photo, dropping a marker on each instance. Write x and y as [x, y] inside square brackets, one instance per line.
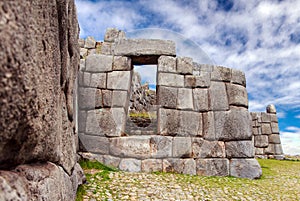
[297, 116]
[290, 140]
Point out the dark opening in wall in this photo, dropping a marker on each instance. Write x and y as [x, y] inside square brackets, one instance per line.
[142, 113]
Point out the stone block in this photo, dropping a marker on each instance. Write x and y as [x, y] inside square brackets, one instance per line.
[166, 64]
[194, 81]
[237, 95]
[278, 149]
[167, 97]
[265, 117]
[239, 149]
[219, 73]
[270, 149]
[107, 98]
[137, 47]
[218, 96]
[271, 109]
[238, 77]
[130, 165]
[83, 52]
[182, 147]
[91, 156]
[212, 167]
[161, 146]
[207, 149]
[233, 125]
[185, 99]
[130, 147]
[185, 65]
[274, 127]
[98, 80]
[122, 63]
[113, 34]
[261, 141]
[82, 65]
[183, 166]
[274, 118]
[200, 97]
[120, 99]
[111, 161]
[256, 130]
[90, 98]
[81, 120]
[259, 151]
[105, 48]
[245, 168]
[170, 79]
[90, 42]
[279, 157]
[94, 144]
[119, 80]
[99, 63]
[266, 129]
[208, 126]
[151, 165]
[168, 121]
[106, 122]
[274, 139]
[81, 42]
[190, 124]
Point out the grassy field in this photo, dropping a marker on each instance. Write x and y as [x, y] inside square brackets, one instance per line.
[280, 181]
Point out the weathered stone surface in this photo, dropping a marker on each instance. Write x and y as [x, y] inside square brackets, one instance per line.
[259, 151]
[185, 99]
[119, 80]
[239, 149]
[266, 128]
[90, 42]
[200, 97]
[245, 168]
[111, 161]
[151, 165]
[120, 98]
[274, 127]
[190, 124]
[237, 95]
[91, 156]
[90, 98]
[113, 34]
[218, 96]
[83, 52]
[193, 81]
[221, 74]
[274, 118]
[81, 42]
[94, 144]
[182, 147]
[122, 63]
[82, 64]
[261, 141]
[166, 64]
[98, 80]
[185, 65]
[278, 149]
[212, 167]
[265, 117]
[168, 121]
[256, 130]
[136, 47]
[161, 146]
[238, 77]
[233, 125]
[184, 166]
[271, 109]
[81, 120]
[274, 138]
[13, 187]
[209, 126]
[270, 149]
[132, 146]
[130, 165]
[207, 149]
[106, 98]
[105, 48]
[106, 122]
[171, 80]
[98, 63]
[167, 97]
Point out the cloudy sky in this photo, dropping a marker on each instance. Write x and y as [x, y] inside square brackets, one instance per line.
[262, 38]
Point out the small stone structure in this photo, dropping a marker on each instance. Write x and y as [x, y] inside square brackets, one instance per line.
[203, 124]
[266, 134]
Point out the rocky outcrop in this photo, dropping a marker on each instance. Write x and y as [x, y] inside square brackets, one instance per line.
[39, 62]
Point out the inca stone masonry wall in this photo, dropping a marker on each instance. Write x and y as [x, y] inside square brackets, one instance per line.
[204, 126]
[266, 134]
[38, 65]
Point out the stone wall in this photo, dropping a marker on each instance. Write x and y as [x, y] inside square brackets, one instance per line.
[266, 134]
[39, 62]
[204, 126]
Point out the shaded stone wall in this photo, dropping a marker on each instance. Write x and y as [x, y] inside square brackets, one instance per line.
[266, 134]
[39, 63]
[204, 126]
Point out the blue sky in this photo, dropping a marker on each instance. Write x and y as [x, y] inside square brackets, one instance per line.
[262, 38]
